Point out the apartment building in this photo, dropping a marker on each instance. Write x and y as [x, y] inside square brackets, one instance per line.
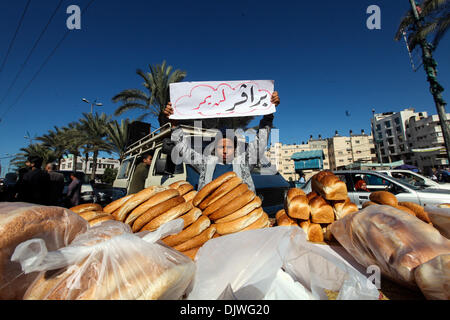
[348, 149]
[102, 164]
[426, 142]
[389, 129]
[280, 155]
[345, 150]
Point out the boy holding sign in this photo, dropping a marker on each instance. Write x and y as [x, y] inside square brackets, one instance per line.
[226, 150]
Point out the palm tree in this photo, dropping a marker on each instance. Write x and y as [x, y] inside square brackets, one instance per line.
[95, 127]
[74, 139]
[431, 18]
[54, 140]
[156, 96]
[33, 150]
[436, 21]
[117, 136]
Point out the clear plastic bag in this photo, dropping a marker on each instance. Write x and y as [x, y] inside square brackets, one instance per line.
[440, 217]
[433, 278]
[274, 263]
[108, 262]
[19, 221]
[390, 239]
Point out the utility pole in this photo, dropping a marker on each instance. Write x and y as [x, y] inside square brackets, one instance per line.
[436, 89]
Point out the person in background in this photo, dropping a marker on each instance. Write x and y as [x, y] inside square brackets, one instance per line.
[56, 185]
[36, 184]
[302, 178]
[361, 185]
[137, 182]
[73, 191]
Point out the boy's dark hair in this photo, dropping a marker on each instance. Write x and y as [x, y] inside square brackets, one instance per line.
[146, 155]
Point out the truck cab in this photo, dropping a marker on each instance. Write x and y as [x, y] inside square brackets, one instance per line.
[162, 171]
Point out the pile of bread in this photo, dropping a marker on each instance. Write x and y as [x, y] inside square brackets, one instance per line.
[92, 213]
[316, 211]
[223, 206]
[389, 199]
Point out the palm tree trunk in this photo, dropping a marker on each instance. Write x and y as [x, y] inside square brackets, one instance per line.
[94, 164]
[87, 160]
[75, 158]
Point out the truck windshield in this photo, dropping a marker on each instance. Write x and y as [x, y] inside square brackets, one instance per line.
[124, 170]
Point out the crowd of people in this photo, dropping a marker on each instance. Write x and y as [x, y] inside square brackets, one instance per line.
[44, 186]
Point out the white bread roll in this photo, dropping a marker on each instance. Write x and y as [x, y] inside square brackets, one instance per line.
[192, 216]
[284, 220]
[211, 186]
[177, 184]
[90, 215]
[321, 211]
[155, 211]
[86, 207]
[232, 196]
[234, 205]
[197, 241]
[262, 222]
[368, 203]
[239, 224]
[158, 196]
[190, 232]
[249, 207]
[418, 210]
[220, 192]
[298, 207]
[116, 204]
[167, 216]
[98, 220]
[185, 188]
[188, 197]
[341, 209]
[329, 186]
[384, 197]
[314, 232]
[135, 201]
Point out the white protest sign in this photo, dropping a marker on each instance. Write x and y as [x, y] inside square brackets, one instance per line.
[220, 99]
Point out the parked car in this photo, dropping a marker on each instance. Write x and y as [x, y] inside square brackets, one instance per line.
[378, 181]
[87, 192]
[415, 179]
[105, 193]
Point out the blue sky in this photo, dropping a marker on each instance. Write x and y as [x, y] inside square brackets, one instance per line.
[323, 59]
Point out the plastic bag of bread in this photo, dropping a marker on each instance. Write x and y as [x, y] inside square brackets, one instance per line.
[19, 221]
[391, 239]
[440, 218]
[228, 269]
[433, 278]
[108, 262]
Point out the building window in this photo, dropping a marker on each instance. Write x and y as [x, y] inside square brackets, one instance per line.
[390, 141]
[378, 127]
[397, 120]
[387, 124]
[357, 141]
[389, 132]
[399, 129]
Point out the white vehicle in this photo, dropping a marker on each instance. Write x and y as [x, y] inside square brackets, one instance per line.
[415, 179]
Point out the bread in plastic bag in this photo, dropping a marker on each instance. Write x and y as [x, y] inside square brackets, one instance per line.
[20, 221]
[109, 262]
[433, 278]
[440, 218]
[274, 263]
[391, 239]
